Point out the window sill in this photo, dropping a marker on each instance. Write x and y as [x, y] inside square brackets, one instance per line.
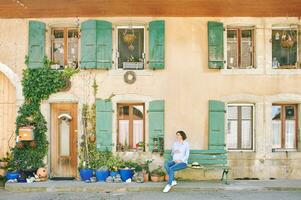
[284, 150]
[121, 72]
[276, 71]
[242, 71]
[241, 151]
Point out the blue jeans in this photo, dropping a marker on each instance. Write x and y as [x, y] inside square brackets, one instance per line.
[171, 167]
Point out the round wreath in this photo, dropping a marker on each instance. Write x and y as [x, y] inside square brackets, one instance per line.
[129, 77]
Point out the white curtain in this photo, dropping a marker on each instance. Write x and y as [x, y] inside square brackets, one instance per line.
[232, 134]
[124, 131]
[137, 131]
[276, 128]
[290, 133]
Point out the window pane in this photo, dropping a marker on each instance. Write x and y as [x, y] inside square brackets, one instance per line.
[290, 132]
[246, 48]
[276, 126]
[124, 111]
[246, 134]
[138, 112]
[64, 131]
[72, 48]
[281, 55]
[289, 112]
[232, 134]
[232, 112]
[290, 127]
[276, 113]
[130, 48]
[232, 49]
[137, 131]
[58, 47]
[124, 132]
[246, 112]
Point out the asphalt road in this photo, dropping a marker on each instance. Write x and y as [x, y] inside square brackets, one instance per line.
[221, 195]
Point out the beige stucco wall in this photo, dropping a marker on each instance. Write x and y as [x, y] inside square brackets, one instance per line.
[186, 84]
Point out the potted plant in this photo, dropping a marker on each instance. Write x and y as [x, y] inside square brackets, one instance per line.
[102, 173]
[140, 146]
[114, 163]
[145, 169]
[85, 171]
[157, 175]
[126, 171]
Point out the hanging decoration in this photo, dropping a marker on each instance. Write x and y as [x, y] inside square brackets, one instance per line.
[129, 37]
[288, 39]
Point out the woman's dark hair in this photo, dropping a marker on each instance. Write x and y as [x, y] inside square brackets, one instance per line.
[182, 133]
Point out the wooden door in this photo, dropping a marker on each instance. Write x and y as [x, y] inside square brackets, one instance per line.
[7, 114]
[63, 140]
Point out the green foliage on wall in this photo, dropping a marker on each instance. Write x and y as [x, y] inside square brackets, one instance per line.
[38, 84]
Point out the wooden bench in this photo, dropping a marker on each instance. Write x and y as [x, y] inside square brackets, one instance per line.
[208, 160]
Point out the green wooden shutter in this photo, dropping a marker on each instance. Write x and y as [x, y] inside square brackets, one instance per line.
[215, 45]
[104, 45]
[156, 121]
[88, 45]
[216, 128]
[36, 44]
[156, 44]
[104, 114]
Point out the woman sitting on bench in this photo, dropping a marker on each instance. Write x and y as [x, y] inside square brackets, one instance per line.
[180, 154]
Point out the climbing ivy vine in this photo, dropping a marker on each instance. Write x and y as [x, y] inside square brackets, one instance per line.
[38, 84]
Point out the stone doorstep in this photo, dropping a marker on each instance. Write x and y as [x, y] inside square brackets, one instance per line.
[183, 186]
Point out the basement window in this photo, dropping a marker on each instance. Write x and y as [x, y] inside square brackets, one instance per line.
[240, 47]
[284, 47]
[64, 47]
[131, 47]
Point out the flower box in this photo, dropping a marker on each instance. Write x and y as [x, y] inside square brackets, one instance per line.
[132, 65]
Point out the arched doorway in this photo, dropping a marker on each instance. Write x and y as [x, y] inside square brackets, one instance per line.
[7, 114]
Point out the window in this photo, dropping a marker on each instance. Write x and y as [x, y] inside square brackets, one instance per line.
[240, 127]
[130, 125]
[240, 47]
[284, 126]
[65, 47]
[131, 47]
[284, 47]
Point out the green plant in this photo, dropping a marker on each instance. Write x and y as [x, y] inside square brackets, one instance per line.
[68, 72]
[114, 163]
[38, 84]
[145, 166]
[158, 172]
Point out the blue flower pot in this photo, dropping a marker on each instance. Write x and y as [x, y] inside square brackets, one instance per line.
[85, 174]
[102, 175]
[125, 174]
[12, 175]
[112, 173]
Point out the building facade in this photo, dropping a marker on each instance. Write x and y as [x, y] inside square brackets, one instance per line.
[178, 66]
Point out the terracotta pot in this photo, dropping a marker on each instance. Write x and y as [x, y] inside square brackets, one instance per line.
[146, 177]
[157, 178]
[92, 138]
[166, 177]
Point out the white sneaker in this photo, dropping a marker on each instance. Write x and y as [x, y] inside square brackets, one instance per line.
[167, 188]
[173, 183]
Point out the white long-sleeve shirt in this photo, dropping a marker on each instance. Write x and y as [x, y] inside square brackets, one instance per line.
[180, 151]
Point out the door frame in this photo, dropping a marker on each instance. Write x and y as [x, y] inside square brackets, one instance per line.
[74, 152]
